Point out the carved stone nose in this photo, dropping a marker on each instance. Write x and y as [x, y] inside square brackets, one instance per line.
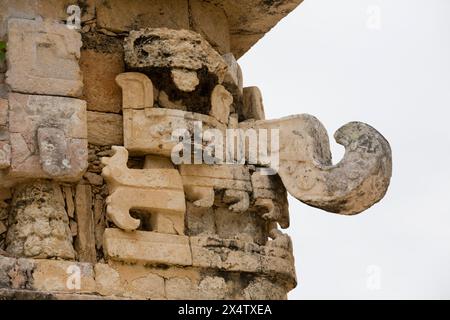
[357, 182]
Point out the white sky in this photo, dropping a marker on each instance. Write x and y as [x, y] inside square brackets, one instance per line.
[328, 59]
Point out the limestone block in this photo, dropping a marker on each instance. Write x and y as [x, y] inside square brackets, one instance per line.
[147, 248]
[62, 276]
[85, 241]
[135, 282]
[48, 137]
[147, 49]
[357, 182]
[39, 225]
[43, 58]
[253, 107]
[208, 253]
[120, 16]
[150, 131]
[211, 22]
[159, 192]
[104, 129]
[262, 288]
[233, 79]
[221, 101]
[99, 71]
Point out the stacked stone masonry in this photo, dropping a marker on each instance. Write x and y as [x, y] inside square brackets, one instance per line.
[93, 206]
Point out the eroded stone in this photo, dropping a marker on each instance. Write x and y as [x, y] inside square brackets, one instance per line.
[43, 58]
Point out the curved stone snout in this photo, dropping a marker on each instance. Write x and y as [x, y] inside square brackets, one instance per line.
[357, 182]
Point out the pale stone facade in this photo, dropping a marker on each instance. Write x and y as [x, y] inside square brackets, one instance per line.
[93, 204]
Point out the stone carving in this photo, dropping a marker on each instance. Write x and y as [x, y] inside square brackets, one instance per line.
[48, 137]
[39, 225]
[137, 90]
[357, 182]
[43, 58]
[200, 182]
[157, 191]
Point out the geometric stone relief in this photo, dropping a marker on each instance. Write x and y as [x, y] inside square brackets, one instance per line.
[158, 192]
[48, 138]
[43, 58]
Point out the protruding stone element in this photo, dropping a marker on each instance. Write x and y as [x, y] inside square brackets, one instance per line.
[253, 105]
[238, 199]
[233, 79]
[221, 101]
[48, 137]
[184, 80]
[156, 191]
[148, 49]
[147, 248]
[271, 198]
[43, 58]
[357, 182]
[39, 225]
[137, 90]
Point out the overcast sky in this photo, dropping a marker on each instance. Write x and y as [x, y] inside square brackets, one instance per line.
[386, 63]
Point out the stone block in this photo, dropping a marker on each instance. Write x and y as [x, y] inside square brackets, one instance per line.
[120, 16]
[63, 276]
[43, 58]
[48, 137]
[136, 282]
[104, 129]
[221, 101]
[99, 71]
[253, 107]
[5, 155]
[85, 240]
[3, 112]
[147, 248]
[211, 22]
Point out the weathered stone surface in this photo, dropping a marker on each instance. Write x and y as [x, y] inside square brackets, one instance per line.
[211, 22]
[3, 86]
[39, 226]
[99, 71]
[253, 107]
[43, 58]
[221, 101]
[201, 180]
[52, 10]
[119, 16]
[37, 152]
[158, 192]
[85, 241]
[233, 79]
[147, 248]
[264, 289]
[357, 182]
[3, 112]
[5, 155]
[187, 50]
[62, 276]
[184, 80]
[104, 129]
